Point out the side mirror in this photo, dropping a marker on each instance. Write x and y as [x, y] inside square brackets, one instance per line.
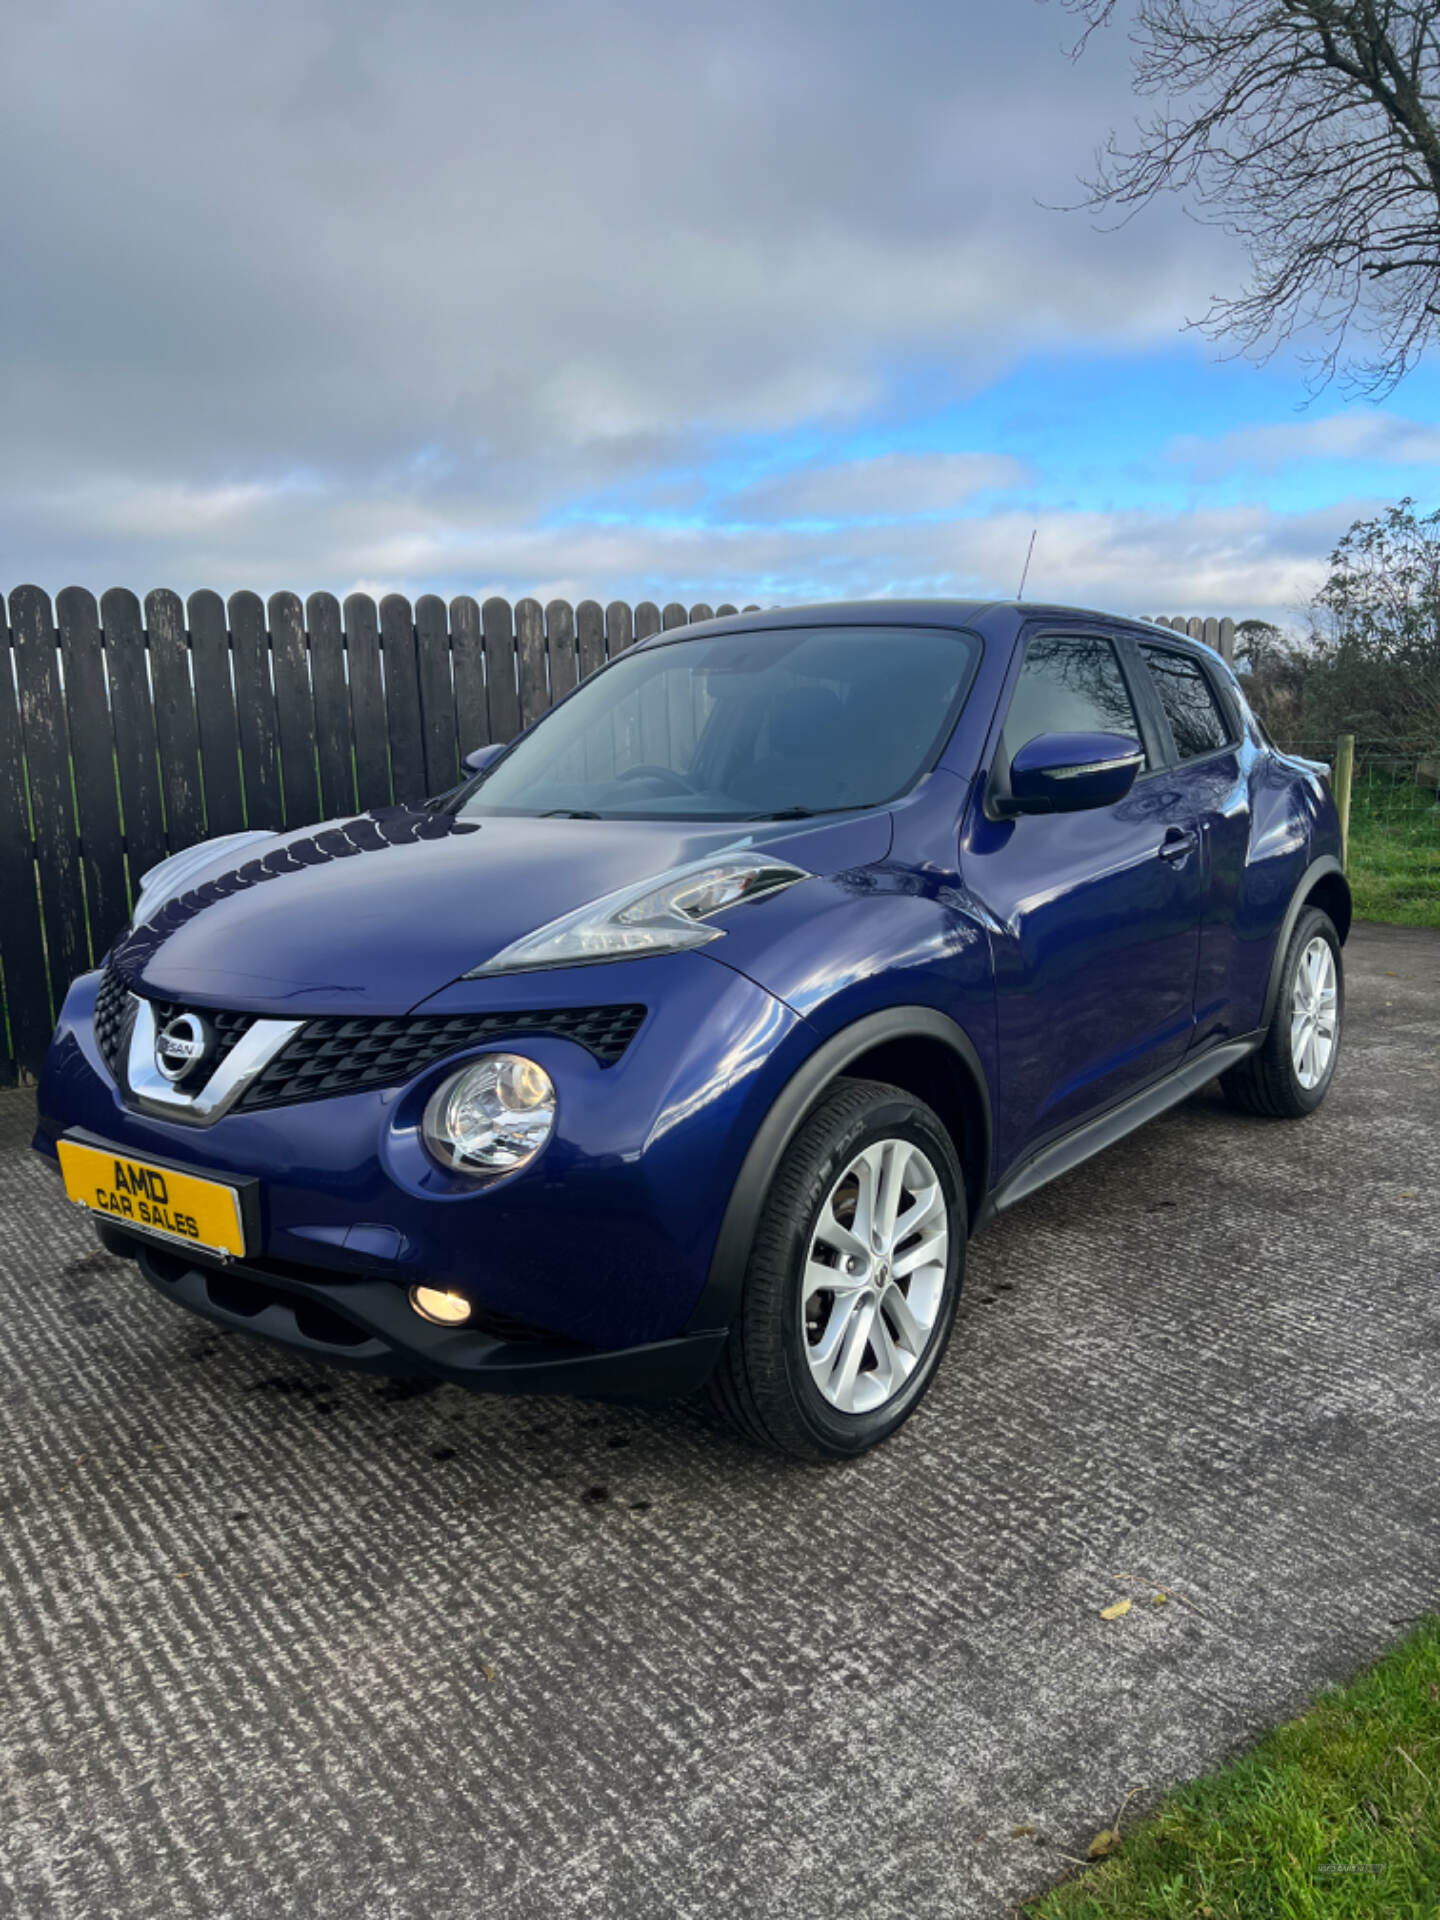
[481, 758]
[1073, 772]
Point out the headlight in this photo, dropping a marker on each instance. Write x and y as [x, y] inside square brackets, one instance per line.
[653, 917]
[172, 876]
[492, 1116]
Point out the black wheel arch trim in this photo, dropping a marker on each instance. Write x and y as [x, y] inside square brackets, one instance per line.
[721, 1293]
[1317, 870]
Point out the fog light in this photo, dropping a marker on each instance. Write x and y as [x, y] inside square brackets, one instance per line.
[445, 1309]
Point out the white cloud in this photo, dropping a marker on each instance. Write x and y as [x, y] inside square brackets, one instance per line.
[885, 486]
[1380, 437]
[1237, 560]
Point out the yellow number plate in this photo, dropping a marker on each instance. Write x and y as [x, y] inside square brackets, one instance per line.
[134, 1193]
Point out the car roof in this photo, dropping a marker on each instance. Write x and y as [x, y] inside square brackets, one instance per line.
[982, 614]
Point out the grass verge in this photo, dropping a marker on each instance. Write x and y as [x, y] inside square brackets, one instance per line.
[1394, 864]
[1333, 1817]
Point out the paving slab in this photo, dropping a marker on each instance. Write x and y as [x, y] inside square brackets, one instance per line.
[275, 1639]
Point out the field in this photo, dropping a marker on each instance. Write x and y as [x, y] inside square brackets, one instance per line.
[1394, 845]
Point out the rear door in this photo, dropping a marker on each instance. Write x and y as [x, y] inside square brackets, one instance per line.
[1096, 915]
[1206, 743]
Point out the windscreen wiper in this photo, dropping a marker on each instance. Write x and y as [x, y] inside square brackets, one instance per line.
[568, 813]
[786, 813]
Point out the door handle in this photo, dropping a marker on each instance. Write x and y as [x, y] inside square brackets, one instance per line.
[1178, 842]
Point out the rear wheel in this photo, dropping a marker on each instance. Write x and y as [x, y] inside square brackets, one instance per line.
[853, 1278]
[1290, 1074]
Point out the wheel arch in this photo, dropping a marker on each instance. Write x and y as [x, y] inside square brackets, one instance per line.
[1332, 893]
[916, 1048]
[1323, 884]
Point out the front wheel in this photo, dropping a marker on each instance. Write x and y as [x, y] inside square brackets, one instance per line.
[1290, 1073]
[853, 1278]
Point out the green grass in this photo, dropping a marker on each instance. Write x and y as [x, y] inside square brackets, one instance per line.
[1394, 861]
[1354, 1784]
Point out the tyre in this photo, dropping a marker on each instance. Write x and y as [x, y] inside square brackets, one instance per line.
[1290, 1074]
[852, 1281]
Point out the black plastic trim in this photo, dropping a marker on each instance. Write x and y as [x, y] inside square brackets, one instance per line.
[1072, 1149]
[398, 1342]
[720, 1296]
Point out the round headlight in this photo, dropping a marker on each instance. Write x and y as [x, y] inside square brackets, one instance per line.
[492, 1116]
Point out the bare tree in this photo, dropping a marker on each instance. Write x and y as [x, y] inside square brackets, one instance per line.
[1311, 130]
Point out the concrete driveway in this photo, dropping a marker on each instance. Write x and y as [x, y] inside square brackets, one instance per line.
[275, 1640]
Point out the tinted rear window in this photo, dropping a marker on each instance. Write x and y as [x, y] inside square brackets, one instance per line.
[1196, 720]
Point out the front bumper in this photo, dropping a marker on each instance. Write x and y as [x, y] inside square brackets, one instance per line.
[368, 1325]
[605, 1241]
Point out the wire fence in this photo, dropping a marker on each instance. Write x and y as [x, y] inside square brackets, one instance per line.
[1394, 843]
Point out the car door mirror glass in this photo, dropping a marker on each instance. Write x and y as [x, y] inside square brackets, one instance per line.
[1073, 772]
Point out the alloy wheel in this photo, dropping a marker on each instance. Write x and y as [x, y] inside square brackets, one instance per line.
[874, 1275]
[1313, 1005]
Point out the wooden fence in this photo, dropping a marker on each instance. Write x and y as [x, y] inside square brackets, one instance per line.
[130, 732]
[1216, 634]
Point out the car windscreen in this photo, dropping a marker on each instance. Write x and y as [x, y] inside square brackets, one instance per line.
[742, 726]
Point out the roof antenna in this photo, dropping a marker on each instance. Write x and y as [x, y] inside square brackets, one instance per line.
[1025, 573]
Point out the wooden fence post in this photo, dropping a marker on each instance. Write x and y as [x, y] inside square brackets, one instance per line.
[1343, 779]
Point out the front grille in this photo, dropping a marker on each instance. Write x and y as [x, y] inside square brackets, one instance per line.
[114, 1016]
[348, 1055]
[353, 1053]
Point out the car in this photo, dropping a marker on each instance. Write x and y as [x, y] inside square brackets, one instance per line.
[685, 1045]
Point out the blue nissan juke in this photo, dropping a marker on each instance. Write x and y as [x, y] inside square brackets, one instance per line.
[688, 1041]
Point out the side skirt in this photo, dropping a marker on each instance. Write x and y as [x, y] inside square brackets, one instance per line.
[1079, 1145]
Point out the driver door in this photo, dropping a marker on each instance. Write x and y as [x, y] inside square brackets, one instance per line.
[1096, 914]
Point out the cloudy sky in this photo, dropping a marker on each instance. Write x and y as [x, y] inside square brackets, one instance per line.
[740, 298]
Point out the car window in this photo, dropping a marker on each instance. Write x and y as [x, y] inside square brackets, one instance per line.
[1196, 720]
[742, 726]
[1069, 684]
